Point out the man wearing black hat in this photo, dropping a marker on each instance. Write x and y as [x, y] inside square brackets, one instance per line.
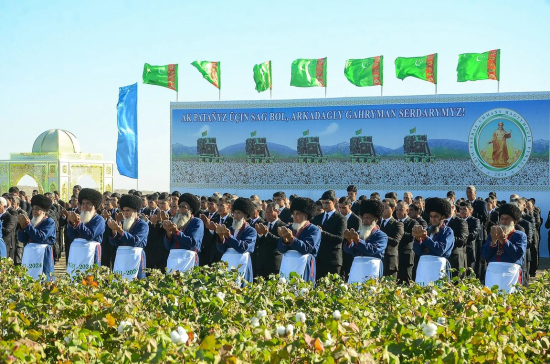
[505, 250]
[237, 242]
[38, 235]
[434, 244]
[332, 225]
[368, 244]
[87, 225]
[300, 241]
[130, 237]
[184, 232]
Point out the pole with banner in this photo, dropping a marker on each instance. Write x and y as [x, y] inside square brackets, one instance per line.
[127, 144]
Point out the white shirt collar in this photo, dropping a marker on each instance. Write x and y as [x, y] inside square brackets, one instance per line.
[348, 215]
[329, 213]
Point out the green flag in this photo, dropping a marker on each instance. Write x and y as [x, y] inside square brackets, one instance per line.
[205, 133]
[413, 130]
[478, 66]
[365, 72]
[309, 73]
[211, 71]
[359, 132]
[262, 76]
[253, 134]
[306, 132]
[424, 68]
[165, 76]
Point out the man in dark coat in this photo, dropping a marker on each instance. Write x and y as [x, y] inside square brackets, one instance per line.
[284, 214]
[355, 205]
[406, 253]
[9, 227]
[394, 230]
[332, 225]
[460, 230]
[475, 236]
[415, 211]
[223, 217]
[352, 222]
[266, 258]
[208, 242]
[256, 218]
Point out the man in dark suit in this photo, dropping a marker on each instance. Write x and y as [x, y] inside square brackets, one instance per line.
[208, 243]
[352, 222]
[332, 225]
[475, 234]
[405, 250]
[9, 226]
[479, 206]
[255, 218]
[355, 205]
[223, 217]
[394, 230]
[284, 214]
[266, 258]
[415, 212]
[152, 205]
[460, 230]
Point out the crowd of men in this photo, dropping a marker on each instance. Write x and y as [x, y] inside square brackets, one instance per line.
[449, 172]
[286, 233]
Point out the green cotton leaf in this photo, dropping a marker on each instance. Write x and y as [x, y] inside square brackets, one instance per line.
[33, 334]
[209, 343]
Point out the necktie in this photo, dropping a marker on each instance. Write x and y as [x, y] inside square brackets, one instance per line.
[268, 226]
[326, 218]
[384, 223]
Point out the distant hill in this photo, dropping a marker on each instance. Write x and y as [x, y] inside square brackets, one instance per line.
[441, 148]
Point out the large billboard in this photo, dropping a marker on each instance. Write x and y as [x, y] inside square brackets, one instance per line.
[435, 143]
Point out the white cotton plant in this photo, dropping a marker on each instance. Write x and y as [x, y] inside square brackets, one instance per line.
[304, 291]
[221, 296]
[336, 315]
[429, 329]
[179, 336]
[254, 322]
[123, 326]
[282, 280]
[281, 330]
[289, 330]
[441, 321]
[329, 342]
[261, 314]
[301, 317]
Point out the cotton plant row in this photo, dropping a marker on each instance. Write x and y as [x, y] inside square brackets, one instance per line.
[203, 316]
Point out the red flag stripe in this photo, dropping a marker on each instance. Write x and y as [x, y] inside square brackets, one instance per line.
[492, 64]
[376, 71]
[430, 66]
[214, 74]
[319, 71]
[172, 76]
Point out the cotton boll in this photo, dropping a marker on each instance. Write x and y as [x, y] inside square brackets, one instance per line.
[221, 295]
[281, 330]
[289, 330]
[329, 341]
[254, 322]
[183, 334]
[441, 321]
[301, 317]
[282, 280]
[202, 288]
[336, 315]
[123, 325]
[262, 313]
[304, 291]
[429, 329]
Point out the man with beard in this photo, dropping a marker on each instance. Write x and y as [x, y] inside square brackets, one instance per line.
[184, 235]
[300, 241]
[394, 230]
[406, 253]
[352, 222]
[266, 259]
[432, 246]
[38, 235]
[505, 250]
[237, 242]
[460, 231]
[88, 226]
[129, 237]
[368, 245]
[332, 225]
[474, 243]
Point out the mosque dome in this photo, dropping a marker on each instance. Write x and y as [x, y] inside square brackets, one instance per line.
[56, 141]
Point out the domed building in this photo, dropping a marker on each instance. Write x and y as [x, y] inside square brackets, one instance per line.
[56, 163]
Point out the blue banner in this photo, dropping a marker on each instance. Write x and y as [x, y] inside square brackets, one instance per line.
[127, 145]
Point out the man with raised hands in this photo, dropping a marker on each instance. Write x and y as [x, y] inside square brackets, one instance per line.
[38, 235]
[184, 234]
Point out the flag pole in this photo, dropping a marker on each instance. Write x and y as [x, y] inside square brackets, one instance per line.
[381, 90]
[498, 86]
[219, 93]
[436, 88]
[325, 91]
[176, 96]
[270, 93]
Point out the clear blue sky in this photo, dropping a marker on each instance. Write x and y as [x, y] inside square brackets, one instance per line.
[62, 62]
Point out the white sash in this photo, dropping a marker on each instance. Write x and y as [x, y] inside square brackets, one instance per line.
[234, 259]
[430, 269]
[127, 261]
[293, 261]
[3, 249]
[503, 275]
[81, 255]
[33, 259]
[180, 260]
[365, 268]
